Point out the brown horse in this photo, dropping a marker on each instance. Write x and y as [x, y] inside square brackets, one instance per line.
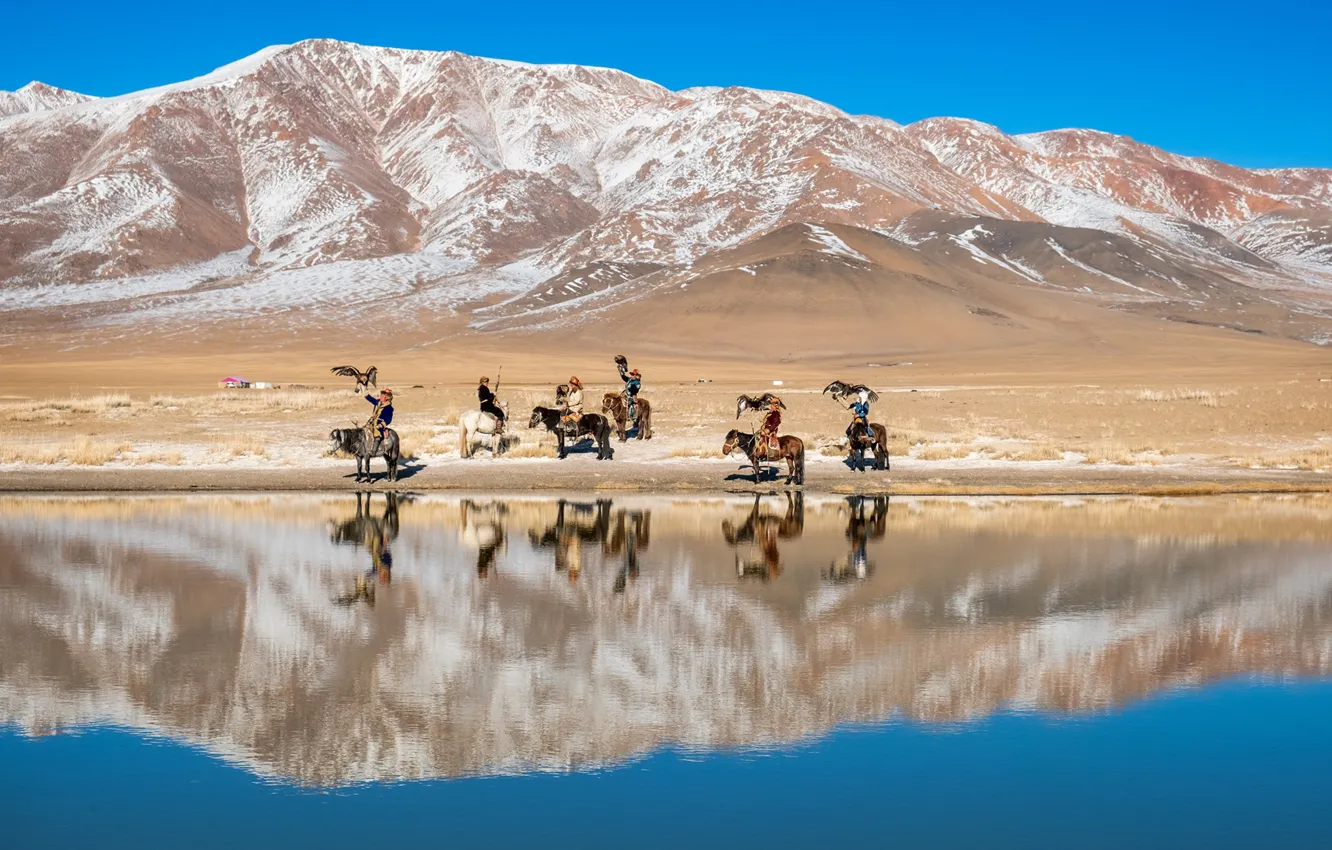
[612, 404]
[791, 449]
[876, 440]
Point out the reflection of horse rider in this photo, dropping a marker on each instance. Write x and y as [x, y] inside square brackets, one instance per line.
[573, 404]
[764, 531]
[860, 410]
[381, 559]
[490, 405]
[766, 445]
[633, 382]
[380, 419]
[375, 534]
[629, 536]
[860, 531]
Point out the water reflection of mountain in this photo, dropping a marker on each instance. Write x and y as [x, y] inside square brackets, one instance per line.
[215, 619]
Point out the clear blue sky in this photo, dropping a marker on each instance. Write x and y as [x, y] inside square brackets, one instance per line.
[1245, 83]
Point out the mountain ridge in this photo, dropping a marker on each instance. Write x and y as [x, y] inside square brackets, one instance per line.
[490, 177]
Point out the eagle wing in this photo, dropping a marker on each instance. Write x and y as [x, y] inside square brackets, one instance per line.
[841, 390]
[755, 402]
[371, 375]
[346, 371]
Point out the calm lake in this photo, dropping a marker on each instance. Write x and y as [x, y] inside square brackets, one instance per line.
[594, 671]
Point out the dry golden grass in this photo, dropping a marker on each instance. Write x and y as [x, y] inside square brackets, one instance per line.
[528, 449]
[1037, 452]
[1315, 460]
[702, 450]
[413, 442]
[167, 458]
[950, 452]
[241, 445]
[81, 451]
[243, 401]
[1120, 455]
[38, 410]
[1207, 398]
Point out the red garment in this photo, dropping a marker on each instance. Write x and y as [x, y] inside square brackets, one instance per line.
[772, 421]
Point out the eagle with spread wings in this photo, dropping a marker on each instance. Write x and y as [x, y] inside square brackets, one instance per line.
[841, 391]
[363, 379]
[755, 402]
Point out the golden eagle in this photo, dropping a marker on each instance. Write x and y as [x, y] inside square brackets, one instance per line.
[363, 379]
[755, 402]
[842, 391]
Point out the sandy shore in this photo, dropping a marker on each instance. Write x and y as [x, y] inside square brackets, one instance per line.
[684, 476]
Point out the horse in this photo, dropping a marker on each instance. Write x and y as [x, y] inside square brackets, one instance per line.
[614, 408]
[876, 440]
[791, 449]
[474, 422]
[592, 425]
[352, 441]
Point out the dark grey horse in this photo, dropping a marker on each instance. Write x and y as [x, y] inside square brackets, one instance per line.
[592, 425]
[353, 442]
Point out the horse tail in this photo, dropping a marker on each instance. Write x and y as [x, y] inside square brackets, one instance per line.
[800, 462]
[462, 437]
[644, 420]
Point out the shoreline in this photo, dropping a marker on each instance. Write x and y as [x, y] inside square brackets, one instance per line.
[708, 477]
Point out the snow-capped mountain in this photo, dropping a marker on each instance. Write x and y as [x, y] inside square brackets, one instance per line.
[478, 177]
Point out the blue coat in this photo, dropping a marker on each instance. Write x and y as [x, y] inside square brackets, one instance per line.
[861, 410]
[385, 414]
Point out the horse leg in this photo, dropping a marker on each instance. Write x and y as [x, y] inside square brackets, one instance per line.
[559, 439]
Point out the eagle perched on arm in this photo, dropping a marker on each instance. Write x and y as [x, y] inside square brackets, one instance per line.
[841, 390]
[363, 379]
[755, 402]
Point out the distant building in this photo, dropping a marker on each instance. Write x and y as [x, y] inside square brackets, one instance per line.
[233, 384]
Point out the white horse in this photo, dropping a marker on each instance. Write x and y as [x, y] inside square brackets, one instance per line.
[477, 422]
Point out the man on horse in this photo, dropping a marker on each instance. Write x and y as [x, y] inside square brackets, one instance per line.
[859, 417]
[490, 405]
[379, 420]
[573, 404]
[766, 443]
[633, 382]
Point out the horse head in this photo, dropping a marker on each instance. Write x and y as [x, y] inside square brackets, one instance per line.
[338, 439]
[537, 418]
[732, 441]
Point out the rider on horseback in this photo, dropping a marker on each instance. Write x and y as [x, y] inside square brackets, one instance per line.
[573, 404]
[766, 443]
[859, 417]
[379, 419]
[633, 382]
[490, 405]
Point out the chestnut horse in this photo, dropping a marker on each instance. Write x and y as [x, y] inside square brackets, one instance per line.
[876, 440]
[791, 449]
[612, 404]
